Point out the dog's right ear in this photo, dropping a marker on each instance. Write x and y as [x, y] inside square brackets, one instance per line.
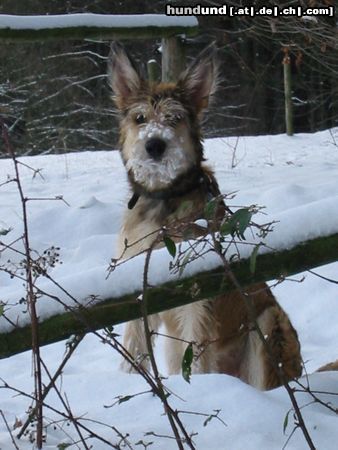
[123, 76]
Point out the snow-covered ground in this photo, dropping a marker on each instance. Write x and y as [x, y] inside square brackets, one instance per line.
[294, 177]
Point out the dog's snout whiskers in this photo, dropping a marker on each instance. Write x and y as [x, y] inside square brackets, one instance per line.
[155, 147]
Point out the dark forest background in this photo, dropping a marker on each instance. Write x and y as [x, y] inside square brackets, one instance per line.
[54, 94]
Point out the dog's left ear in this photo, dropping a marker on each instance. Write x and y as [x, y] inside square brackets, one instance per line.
[201, 78]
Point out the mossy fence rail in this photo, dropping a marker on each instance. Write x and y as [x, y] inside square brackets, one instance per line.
[208, 284]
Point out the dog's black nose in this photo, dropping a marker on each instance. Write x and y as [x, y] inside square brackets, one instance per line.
[155, 147]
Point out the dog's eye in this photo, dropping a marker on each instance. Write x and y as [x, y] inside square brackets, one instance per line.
[173, 119]
[140, 118]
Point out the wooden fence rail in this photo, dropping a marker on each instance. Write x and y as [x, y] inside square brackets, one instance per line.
[94, 26]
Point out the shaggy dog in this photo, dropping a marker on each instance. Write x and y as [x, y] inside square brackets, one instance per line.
[161, 148]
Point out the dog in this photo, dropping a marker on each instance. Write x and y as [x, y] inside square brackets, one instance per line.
[162, 151]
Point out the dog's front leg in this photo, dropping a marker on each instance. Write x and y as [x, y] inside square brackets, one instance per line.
[134, 341]
[193, 324]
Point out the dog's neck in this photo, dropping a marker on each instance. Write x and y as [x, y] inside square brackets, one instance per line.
[185, 183]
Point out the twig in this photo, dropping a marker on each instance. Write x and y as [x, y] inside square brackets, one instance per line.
[172, 416]
[8, 429]
[279, 370]
[35, 171]
[62, 414]
[315, 397]
[208, 416]
[51, 384]
[330, 280]
[31, 298]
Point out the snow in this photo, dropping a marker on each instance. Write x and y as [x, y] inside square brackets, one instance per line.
[295, 178]
[71, 227]
[94, 20]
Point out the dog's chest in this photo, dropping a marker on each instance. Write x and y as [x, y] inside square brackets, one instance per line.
[141, 224]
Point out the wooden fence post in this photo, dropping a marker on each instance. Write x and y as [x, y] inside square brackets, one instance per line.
[288, 93]
[173, 58]
[153, 70]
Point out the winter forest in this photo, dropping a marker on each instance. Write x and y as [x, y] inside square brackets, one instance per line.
[56, 99]
[270, 135]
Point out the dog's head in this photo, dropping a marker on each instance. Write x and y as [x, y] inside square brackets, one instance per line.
[160, 130]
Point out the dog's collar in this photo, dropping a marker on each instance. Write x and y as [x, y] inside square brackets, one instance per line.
[132, 202]
[186, 183]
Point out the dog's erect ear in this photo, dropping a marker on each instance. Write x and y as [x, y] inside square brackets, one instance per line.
[201, 78]
[123, 76]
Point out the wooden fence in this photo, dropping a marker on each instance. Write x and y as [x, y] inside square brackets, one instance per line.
[172, 30]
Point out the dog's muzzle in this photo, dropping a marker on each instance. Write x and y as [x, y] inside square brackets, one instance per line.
[155, 147]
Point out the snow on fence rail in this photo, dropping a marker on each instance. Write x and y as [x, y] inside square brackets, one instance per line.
[104, 26]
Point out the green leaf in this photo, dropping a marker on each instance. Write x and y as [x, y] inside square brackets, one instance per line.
[187, 362]
[124, 399]
[207, 420]
[145, 444]
[242, 219]
[63, 446]
[210, 209]
[235, 257]
[237, 223]
[170, 244]
[3, 231]
[227, 228]
[2, 308]
[286, 421]
[184, 262]
[253, 258]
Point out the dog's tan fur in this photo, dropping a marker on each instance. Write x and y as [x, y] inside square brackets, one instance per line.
[160, 184]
